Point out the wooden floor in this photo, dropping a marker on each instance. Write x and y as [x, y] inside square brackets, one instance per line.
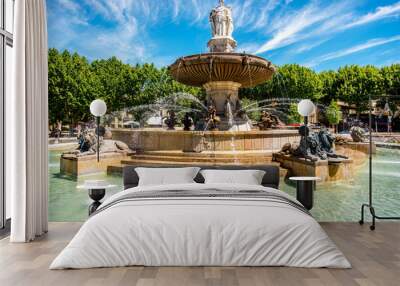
[375, 257]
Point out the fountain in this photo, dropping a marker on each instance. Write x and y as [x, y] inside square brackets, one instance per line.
[221, 72]
[223, 132]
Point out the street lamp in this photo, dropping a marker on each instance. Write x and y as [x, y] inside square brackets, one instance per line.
[98, 108]
[306, 108]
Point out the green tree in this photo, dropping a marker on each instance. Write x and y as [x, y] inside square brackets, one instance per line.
[391, 79]
[72, 86]
[354, 85]
[293, 115]
[74, 83]
[292, 81]
[333, 113]
[328, 79]
[253, 112]
[114, 79]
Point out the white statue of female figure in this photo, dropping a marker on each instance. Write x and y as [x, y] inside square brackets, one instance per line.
[221, 21]
[222, 29]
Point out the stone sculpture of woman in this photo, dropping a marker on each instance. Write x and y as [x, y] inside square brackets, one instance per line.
[221, 21]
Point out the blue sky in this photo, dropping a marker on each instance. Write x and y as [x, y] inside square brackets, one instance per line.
[319, 34]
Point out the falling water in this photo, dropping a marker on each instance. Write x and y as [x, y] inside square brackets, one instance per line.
[232, 127]
[230, 115]
[178, 96]
[211, 68]
[248, 68]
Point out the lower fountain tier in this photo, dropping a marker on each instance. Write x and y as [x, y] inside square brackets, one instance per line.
[150, 139]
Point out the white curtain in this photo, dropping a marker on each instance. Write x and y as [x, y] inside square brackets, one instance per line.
[27, 124]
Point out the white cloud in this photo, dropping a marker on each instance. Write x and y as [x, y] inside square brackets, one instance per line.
[290, 28]
[307, 46]
[74, 11]
[102, 28]
[380, 13]
[358, 48]
[176, 8]
[69, 5]
[314, 21]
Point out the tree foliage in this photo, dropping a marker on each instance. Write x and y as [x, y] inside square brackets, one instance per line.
[292, 81]
[333, 113]
[391, 79]
[294, 116]
[354, 85]
[74, 82]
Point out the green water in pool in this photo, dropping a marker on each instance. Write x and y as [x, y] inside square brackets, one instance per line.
[333, 201]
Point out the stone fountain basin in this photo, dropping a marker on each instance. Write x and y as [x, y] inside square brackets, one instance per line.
[197, 70]
[168, 140]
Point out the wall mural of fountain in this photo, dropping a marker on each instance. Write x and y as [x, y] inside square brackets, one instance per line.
[180, 129]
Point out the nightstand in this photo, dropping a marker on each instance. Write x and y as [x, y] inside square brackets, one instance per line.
[305, 190]
[96, 191]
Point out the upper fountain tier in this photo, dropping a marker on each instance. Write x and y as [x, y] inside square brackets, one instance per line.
[222, 64]
[197, 70]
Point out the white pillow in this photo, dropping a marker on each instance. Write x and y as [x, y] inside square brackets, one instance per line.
[166, 176]
[247, 177]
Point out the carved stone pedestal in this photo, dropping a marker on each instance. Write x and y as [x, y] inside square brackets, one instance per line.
[218, 93]
[222, 45]
[322, 169]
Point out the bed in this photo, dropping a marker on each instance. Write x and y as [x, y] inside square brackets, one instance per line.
[201, 224]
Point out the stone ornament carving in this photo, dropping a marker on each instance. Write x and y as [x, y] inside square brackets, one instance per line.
[269, 121]
[171, 120]
[358, 134]
[314, 146]
[88, 145]
[212, 119]
[187, 122]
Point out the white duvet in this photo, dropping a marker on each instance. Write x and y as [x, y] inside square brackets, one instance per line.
[200, 232]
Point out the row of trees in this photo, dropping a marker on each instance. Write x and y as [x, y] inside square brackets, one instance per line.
[352, 84]
[74, 82]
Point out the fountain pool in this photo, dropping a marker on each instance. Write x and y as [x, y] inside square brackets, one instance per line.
[333, 201]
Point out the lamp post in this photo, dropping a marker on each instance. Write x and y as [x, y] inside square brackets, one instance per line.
[98, 108]
[305, 108]
[369, 205]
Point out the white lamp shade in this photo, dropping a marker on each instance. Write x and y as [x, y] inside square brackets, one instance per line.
[98, 107]
[306, 107]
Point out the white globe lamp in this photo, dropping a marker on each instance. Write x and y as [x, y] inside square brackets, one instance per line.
[98, 108]
[306, 108]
